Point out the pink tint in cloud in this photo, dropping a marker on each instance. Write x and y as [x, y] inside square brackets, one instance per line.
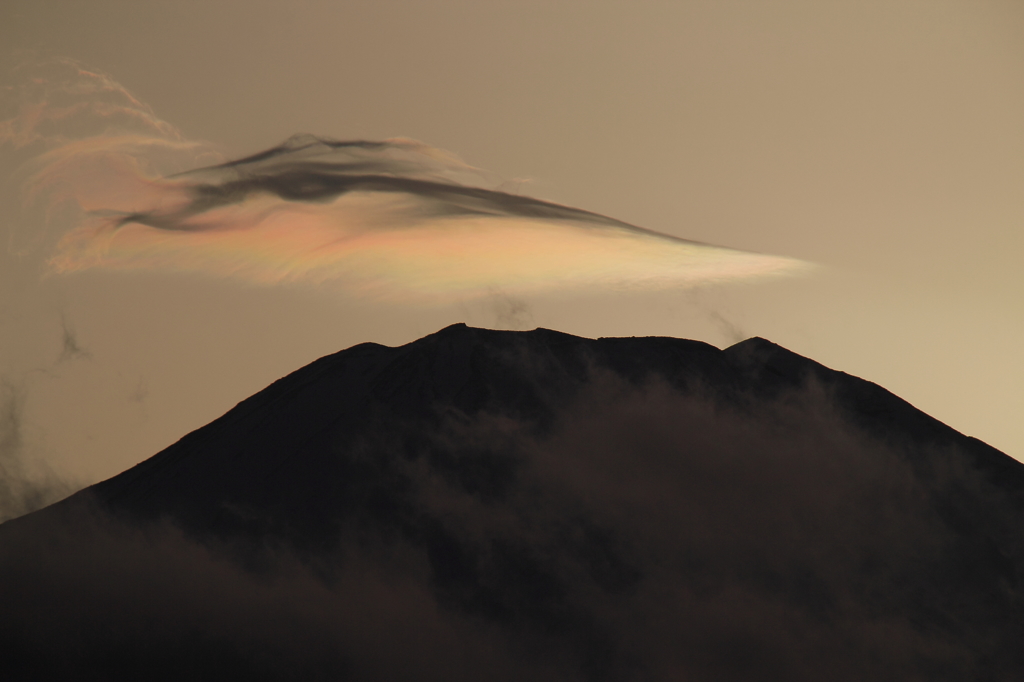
[388, 219]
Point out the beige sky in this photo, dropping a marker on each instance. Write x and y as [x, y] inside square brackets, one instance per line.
[883, 141]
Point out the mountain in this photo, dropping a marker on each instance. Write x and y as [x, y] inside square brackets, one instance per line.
[532, 505]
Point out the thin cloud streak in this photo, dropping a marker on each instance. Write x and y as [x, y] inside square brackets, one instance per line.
[383, 219]
[80, 142]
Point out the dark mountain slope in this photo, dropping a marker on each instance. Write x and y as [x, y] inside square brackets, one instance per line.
[282, 446]
[273, 444]
[533, 505]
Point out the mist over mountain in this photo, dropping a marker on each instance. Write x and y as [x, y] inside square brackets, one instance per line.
[532, 505]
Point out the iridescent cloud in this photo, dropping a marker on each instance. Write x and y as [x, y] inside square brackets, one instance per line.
[394, 218]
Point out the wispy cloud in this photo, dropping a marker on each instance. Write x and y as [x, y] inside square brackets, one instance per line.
[25, 485]
[392, 218]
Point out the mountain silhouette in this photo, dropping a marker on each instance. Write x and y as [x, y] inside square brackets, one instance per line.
[487, 504]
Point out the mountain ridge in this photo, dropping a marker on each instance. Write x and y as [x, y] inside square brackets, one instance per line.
[756, 356]
[539, 506]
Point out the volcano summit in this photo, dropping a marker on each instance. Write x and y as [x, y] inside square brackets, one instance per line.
[532, 505]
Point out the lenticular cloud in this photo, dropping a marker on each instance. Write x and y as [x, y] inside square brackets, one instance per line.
[388, 218]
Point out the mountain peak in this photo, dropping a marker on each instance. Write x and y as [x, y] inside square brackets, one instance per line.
[544, 506]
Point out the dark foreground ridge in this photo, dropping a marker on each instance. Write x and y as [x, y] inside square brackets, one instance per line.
[532, 505]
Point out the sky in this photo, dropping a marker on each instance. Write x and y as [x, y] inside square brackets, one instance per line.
[872, 152]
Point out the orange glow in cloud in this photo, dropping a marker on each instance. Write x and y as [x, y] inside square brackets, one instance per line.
[391, 219]
[347, 243]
